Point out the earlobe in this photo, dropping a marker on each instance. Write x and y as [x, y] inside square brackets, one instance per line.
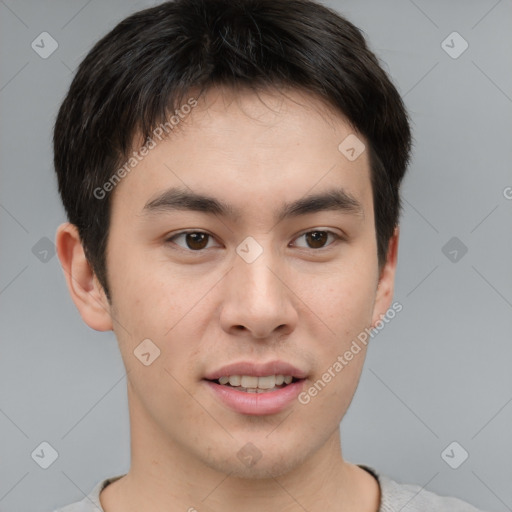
[84, 288]
[386, 283]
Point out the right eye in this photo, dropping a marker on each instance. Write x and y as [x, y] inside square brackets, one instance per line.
[194, 241]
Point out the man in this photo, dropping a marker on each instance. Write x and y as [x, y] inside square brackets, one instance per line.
[231, 174]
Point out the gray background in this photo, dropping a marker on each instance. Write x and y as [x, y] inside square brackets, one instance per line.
[439, 372]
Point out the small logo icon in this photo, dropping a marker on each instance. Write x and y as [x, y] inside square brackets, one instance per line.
[44, 249]
[454, 249]
[146, 352]
[454, 455]
[44, 45]
[454, 45]
[45, 455]
[249, 454]
[249, 250]
[351, 147]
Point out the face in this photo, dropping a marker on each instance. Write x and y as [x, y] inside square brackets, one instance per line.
[245, 237]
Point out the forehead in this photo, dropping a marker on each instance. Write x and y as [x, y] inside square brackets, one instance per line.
[248, 148]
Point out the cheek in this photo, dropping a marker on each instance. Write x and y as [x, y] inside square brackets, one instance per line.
[155, 305]
[144, 294]
[343, 299]
[151, 308]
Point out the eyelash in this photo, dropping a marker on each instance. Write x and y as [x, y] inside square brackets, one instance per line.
[336, 236]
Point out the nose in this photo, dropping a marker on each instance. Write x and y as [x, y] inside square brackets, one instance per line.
[259, 303]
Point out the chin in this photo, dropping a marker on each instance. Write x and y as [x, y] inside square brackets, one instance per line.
[257, 460]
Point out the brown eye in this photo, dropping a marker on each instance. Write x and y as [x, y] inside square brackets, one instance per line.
[194, 241]
[317, 239]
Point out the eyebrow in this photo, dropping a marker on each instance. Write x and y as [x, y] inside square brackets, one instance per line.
[178, 198]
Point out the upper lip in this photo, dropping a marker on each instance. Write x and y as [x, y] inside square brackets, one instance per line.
[257, 370]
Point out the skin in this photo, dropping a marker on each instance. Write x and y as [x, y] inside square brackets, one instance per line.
[300, 304]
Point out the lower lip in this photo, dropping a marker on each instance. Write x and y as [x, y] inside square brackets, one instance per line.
[270, 402]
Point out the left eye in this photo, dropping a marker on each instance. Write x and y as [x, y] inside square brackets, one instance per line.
[317, 239]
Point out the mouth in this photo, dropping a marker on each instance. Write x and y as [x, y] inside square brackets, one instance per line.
[248, 398]
[256, 384]
[256, 388]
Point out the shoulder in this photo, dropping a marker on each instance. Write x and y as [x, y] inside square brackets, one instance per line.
[414, 498]
[91, 502]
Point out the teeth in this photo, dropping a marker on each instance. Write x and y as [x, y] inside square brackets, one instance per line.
[235, 380]
[256, 390]
[250, 382]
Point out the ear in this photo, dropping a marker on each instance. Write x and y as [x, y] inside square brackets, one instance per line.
[84, 287]
[386, 285]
